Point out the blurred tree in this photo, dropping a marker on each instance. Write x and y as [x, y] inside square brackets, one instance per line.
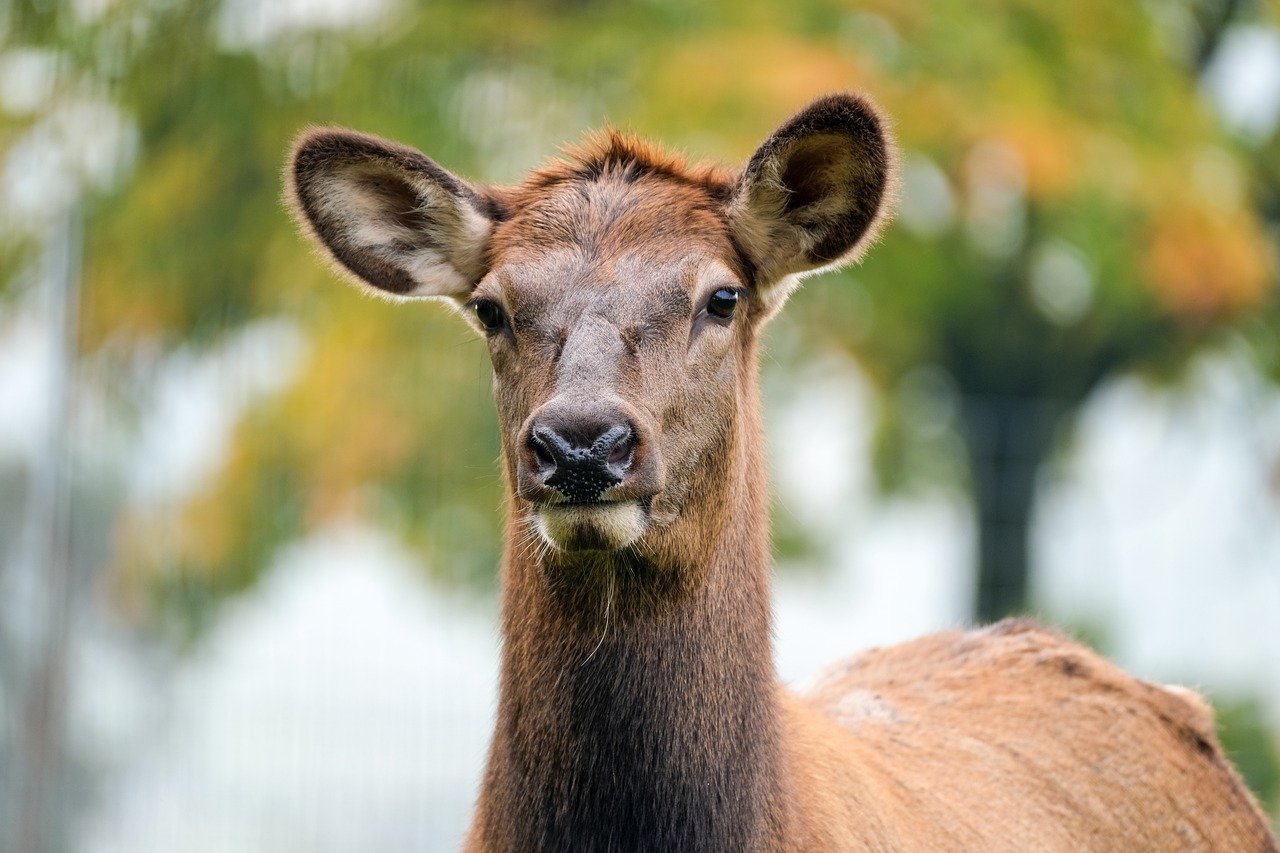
[1070, 210]
[1100, 224]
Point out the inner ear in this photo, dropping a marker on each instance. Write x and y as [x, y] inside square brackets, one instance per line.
[813, 172]
[814, 194]
[392, 199]
[388, 216]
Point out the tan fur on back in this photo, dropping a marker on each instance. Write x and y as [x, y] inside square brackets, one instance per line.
[1013, 738]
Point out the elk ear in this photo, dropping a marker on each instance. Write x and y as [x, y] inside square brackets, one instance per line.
[815, 194]
[387, 215]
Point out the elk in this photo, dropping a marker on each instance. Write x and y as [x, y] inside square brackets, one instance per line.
[621, 292]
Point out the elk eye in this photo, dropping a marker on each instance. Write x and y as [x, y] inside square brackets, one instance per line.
[722, 303]
[489, 314]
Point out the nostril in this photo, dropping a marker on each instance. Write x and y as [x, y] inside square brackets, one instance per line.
[541, 454]
[542, 443]
[621, 452]
[616, 447]
[543, 458]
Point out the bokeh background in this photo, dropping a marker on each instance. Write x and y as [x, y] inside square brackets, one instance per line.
[249, 519]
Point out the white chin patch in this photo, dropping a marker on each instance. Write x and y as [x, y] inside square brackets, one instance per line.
[594, 527]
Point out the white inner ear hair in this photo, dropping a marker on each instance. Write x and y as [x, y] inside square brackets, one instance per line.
[440, 242]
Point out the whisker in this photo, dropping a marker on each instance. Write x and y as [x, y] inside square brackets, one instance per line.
[608, 606]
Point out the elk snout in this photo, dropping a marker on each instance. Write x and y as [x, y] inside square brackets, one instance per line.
[582, 472]
[586, 456]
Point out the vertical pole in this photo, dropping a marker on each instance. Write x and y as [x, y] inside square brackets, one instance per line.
[43, 573]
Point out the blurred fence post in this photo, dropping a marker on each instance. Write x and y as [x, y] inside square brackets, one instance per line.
[41, 581]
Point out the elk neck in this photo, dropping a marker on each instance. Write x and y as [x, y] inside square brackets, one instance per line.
[638, 701]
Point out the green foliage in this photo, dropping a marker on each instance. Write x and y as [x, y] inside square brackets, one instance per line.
[1064, 145]
[1253, 747]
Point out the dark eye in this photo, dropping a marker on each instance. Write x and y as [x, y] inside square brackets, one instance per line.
[722, 303]
[489, 314]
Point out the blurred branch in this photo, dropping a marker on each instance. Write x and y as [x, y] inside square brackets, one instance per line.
[1213, 19]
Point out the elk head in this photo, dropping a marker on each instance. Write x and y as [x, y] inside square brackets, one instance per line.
[619, 290]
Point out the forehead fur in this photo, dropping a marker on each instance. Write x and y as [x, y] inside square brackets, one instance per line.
[615, 193]
[610, 153]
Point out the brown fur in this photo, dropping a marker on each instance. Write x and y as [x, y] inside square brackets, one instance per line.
[639, 707]
[625, 155]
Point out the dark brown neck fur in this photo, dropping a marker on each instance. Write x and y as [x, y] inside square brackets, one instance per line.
[654, 726]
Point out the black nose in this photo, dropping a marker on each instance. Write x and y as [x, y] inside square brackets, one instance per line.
[581, 459]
